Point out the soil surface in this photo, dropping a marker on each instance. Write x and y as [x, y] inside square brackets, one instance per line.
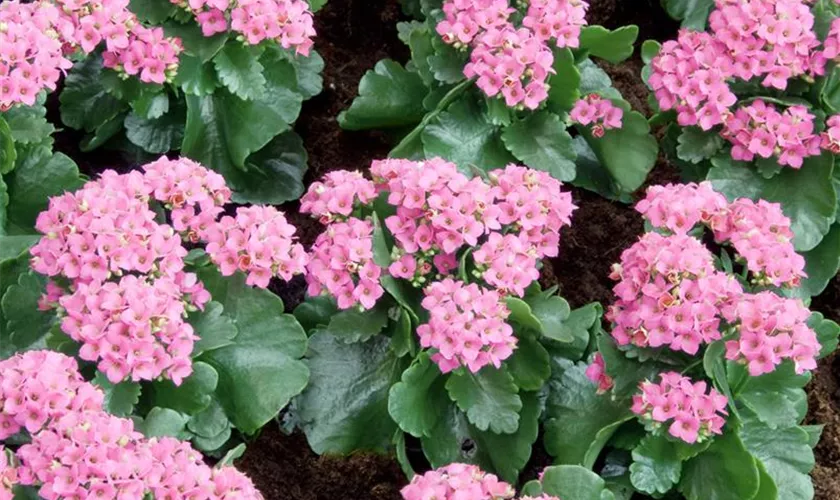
[352, 36]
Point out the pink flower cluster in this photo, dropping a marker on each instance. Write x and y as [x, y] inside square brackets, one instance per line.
[601, 113]
[40, 386]
[669, 294]
[287, 22]
[597, 373]
[194, 195]
[77, 450]
[337, 195]
[830, 138]
[8, 476]
[36, 38]
[694, 414]
[341, 263]
[509, 60]
[457, 482]
[259, 242]
[466, 326]
[772, 329]
[760, 130]
[758, 231]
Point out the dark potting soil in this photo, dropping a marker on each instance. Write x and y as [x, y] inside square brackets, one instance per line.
[352, 36]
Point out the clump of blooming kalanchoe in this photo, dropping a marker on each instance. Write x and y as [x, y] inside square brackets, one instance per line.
[597, 373]
[38, 387]
[669, 294]
[599, 113]
[466, 326]
[259, 242]
[455, 482]
[337, 195]
[194, 195]
[830, 138]
[759, 231]
[692, 411]
[509, 263]
[8, 476]
[128, 294]
[771, 329]
[759, 130]
[287, 22]
[514, 61]
[341, 263]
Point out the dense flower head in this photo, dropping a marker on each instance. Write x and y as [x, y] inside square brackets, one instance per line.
[457, 482]
[599, 113]
[771, 329]
[8, 476]
[337, 195]
[597, 373]
[669, 294]
[509, 263]
[759, 130]
[507, 60]
[286, 22]
[38, 387]
[194, 195]
[341, 263]
[830, 138]
[466, 326]
[37, 38]
[259, 242]
[759, 231]
[692, 411]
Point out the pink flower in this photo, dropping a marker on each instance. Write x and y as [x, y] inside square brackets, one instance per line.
[8, 476]
[601, 113]
[457, 482]
[597, 372]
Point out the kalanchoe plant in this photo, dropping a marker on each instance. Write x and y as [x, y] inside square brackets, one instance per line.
[175, 335]
[750, 105]
[491, 82]
[73, 448]
[424, 314]
[700, 379]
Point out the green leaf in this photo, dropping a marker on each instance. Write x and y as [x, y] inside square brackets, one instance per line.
[827, 332]
[821, 264]
[613, 45]
[389, 96]
[194, 41]
[786, 456]
[463, 136]
[210, 422]
[713, 365]
[381, 250]
[193, 395]
[195, 77]
[11, 247]
[352, 325]
[315, 311]
[656, 466]
[345, 406]
[417, 401]
[726, 471]
[25, 322]
[274, 174]
[29, 124]
[402, 335]
[692, 13]
[232, 455]
[152, 11]
[151, 105]
[420, 41]
[777, 398]
[214, 329]
[628, 153]
[447, 63]
[157, 135]
[579, 421]
[454, 439]
[8, 154]
[697, 145]
[564, 84]
[830, 92]
[39, 175]
[521, 314]
[574, 482]
[119, 398]
[552, 314]
[489, 398]
[541, 142]
[308, 71]
[222, 130]
[650, 49]
[240, 71]
[595, 80]
[103, 133]
[806, 195]
[85, 103]
[260, 371]
[529, 365]
[161, 422]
